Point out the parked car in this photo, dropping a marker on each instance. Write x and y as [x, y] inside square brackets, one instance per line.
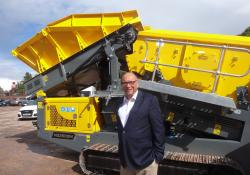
[24, 102]
[4, 102]
[29, 111]
[17, 101]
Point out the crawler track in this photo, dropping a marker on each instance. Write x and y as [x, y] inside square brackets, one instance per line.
[104, 159]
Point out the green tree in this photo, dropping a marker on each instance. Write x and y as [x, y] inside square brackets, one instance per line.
[27, 76]
[246, 32]
[1, 90]
[20, 85]
[20, 88]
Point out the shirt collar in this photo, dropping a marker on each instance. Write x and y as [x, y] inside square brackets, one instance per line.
[133, 97]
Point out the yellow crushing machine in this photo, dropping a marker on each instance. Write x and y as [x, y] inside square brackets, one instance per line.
[201, 81]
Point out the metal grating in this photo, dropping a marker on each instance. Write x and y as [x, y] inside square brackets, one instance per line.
[57, 120]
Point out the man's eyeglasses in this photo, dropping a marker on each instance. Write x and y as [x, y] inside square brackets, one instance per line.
[128, 82]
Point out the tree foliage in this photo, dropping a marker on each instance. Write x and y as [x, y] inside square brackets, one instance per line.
[20, 85]
[246, 32]
[20, 88]
[1, 90]
[27, 76]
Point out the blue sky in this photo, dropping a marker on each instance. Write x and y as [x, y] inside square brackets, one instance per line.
[20, 20]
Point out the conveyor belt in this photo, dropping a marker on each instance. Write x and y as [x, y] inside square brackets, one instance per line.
[67, 71]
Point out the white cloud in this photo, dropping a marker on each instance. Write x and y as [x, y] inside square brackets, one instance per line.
[22, 19]
[12, 68]
[6, 83]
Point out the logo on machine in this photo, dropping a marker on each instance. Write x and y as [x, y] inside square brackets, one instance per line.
[67, 109]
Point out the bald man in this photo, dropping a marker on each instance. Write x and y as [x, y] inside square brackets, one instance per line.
[140, 129]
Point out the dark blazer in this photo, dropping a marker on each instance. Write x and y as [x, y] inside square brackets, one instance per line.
[141, 141]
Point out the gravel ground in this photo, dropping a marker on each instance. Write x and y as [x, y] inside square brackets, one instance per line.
[23, 153]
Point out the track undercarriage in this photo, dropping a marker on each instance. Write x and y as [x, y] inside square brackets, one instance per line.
[104, 159]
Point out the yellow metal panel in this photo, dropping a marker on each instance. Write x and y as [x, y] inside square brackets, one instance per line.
[201, 58]
[40, 93]
[113, 118]
[87, 138]
[170, 117]
[170, 54]
[101, 19]
[198, 37]
[64, 37]
[237, 63]
[78, 114]
[217, 129]
[194, 60]
[133, 60]
[152, 56]
[40, 105]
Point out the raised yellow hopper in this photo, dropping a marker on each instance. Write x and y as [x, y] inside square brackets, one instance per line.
[65, 37]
